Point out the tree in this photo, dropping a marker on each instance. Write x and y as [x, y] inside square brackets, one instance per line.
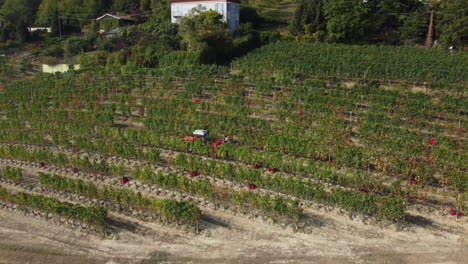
[413, 28]
[453, 24]
[17, 15]
[3, 35]
[73, 8]
[387, 16]
[124, 5]
[96, 7]
[347, 20]
[249, 14]
[145, 5]
[74, 12]
[161, 9]
[48, 14]
[21, 31]
[261, 3]
[354, 21]
[309, 14]
[82, 8]
[205, 31]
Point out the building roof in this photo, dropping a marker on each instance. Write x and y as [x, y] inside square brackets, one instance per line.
[119, 17]
[201, 1]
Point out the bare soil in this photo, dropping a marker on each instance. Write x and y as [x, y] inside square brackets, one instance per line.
[429, 238]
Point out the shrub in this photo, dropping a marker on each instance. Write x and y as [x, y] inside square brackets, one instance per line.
[54, 50]
[74, 45]
[116, 60]
[105, 44]
[269, 37]
[99, 58]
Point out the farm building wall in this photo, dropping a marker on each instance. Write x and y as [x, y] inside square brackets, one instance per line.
[58, 68]
[229, 10]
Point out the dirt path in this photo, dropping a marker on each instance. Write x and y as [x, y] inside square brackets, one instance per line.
[24, 239]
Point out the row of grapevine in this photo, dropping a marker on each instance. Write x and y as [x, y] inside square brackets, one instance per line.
[88, 214]
[168, 209]
[381, 62]
[203, 187]
[13, 174]
[350, 199]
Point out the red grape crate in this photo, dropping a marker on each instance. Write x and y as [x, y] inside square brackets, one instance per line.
[455, 212]
[252, 186]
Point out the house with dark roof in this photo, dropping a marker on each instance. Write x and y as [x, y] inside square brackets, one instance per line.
[112, 22]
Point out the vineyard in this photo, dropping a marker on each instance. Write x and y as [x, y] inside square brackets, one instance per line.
[438, 68]
[95, 147]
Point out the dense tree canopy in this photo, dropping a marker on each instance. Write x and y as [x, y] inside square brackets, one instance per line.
[261, 3]
[413, 28]
[309, 15]
[124, 5]
[206, 32]
[16, 15]
[48, 13]
[391, 22]
[453, 26]
[75, 11]
[386, 18]
[161, 9]
[347, 20]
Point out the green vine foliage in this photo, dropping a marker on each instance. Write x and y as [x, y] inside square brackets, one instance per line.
[463, 201]
[355, 201]
[381, 62]
[273, 206]
[13, 174]
[315, 132]
[89, 214]
[268, 205]
[392, 208]
[168, 209]
[173, 181]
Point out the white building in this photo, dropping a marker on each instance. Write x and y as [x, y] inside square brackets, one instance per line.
[228, 8]
[45, 29]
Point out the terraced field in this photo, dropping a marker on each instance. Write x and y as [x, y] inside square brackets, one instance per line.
[329, 164]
